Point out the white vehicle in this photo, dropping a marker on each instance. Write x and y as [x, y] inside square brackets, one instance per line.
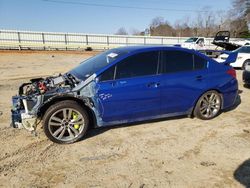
[242, 60]
[196, 43]
[242, 42]
[222, 38]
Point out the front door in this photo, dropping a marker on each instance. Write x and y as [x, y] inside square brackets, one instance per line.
[133, 93]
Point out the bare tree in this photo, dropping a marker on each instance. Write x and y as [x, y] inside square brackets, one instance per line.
[157, 21]
[223, 21]
[121, 31]
[241, 17]
[134, 31]
[197, 24]
[239, 8]
[177, 27]
[206, 23]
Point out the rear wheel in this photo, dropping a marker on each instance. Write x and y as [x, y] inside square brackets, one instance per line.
[247, 62]
[208, 106]
[65, 122]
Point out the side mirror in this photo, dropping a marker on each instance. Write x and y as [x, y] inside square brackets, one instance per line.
[97, 79]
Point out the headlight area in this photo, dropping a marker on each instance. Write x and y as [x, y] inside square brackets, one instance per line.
[32, 95]
[24, 112]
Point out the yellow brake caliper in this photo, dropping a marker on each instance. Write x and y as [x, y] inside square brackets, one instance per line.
[75, 117]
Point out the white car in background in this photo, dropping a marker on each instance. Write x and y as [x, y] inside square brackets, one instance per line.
[242, 60]
[196, 43]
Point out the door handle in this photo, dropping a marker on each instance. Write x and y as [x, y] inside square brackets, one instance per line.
[157, 84]
[113, 84]
[199, 77]
[153, 84]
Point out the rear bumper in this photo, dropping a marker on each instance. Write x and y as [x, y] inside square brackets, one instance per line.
[230, 94]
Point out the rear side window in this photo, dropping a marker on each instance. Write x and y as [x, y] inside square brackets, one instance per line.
[141, 64]
[199, 62]
[177, 61]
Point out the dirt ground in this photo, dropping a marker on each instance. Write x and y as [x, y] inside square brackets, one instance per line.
[177, 152]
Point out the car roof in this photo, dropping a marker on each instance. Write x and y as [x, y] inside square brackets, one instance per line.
[151, 47]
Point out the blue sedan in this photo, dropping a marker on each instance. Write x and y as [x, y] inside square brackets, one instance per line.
[124, 85]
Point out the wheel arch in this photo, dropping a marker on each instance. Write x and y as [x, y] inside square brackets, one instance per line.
[211, 89]
[247, 60]
[91, 114]
[243, 64]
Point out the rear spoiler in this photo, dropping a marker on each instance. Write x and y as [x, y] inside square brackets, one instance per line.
[232, 57]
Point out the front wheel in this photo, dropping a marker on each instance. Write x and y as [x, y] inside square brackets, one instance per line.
[208, 106]
[65, 122]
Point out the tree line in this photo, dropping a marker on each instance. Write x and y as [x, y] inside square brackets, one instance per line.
[206, 23]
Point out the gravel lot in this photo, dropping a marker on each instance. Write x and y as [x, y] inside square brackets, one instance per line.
[176, 152]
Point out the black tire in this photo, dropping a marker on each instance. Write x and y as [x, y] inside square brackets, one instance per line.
[70, 107]
[200, 106]
[245, 63]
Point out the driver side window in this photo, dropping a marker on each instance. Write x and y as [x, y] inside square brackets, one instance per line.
[108, 75]
[200, 41]
[141, 64]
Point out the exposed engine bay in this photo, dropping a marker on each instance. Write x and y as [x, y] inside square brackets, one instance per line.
[33, 94]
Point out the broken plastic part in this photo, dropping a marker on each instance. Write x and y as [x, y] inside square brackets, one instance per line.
[29, 122]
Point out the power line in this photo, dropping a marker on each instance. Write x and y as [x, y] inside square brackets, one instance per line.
[121, 7]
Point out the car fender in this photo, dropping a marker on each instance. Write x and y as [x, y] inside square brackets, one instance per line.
[85, 102]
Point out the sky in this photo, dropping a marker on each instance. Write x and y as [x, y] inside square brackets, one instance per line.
[98, 16]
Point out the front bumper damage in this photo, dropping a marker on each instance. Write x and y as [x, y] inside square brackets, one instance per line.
[23, 113]
[33, 96]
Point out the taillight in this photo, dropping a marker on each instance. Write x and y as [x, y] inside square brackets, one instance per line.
[232, 72]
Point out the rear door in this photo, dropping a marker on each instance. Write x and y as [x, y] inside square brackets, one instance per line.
[129, 91]
[184, 79]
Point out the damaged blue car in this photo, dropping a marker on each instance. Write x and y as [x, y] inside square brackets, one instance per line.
[124, 85]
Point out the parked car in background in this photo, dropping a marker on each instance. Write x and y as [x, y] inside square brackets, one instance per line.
[124, 85]
[196, 43]
[222, 39]
[246, 74]
[242, 60]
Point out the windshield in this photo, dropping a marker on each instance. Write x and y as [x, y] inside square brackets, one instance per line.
[243, 49]
[192, 39]
[95, 63]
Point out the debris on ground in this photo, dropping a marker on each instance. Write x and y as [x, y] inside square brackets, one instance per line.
[142, 185]
[100, 157]
[246, 131]
[207, 163]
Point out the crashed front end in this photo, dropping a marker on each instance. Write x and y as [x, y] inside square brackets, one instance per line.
[33, 95]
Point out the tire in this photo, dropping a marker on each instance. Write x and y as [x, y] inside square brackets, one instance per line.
[65, 122]
[244, 64]
[208, 105]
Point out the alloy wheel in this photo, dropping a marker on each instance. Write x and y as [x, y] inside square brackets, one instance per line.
[66, 124]
[210, 105]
